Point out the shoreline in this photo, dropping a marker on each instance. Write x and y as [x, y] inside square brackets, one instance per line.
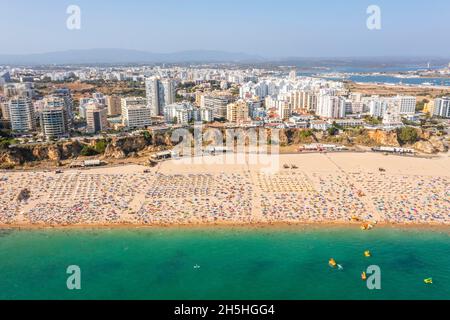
[226, 225]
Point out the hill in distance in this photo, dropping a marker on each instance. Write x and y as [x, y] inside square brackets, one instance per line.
[117, 56]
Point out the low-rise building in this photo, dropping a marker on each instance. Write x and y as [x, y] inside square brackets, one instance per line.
[347, 123]
[319, 125]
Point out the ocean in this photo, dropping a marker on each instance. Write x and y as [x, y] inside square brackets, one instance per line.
[224, 263]
[385, 79]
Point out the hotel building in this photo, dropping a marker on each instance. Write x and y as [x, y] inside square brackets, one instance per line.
[114, 105]
[53, 121]
[21, 113]
[96, 118]
[238, 112]
[442, 107]
[136, 113]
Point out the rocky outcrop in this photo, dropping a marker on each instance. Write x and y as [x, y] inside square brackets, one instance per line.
[69, 149]
[10, 158]
[53, 153]
[431, 146]
[424, 147]
[120, 148]
[123, 147]
[384, 138]
[42, 152]
[438, 144]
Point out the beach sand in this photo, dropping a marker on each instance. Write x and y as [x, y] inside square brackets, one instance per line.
[314, 189]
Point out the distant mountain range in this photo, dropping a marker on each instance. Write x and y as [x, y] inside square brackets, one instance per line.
[117, 56]
[124, 56]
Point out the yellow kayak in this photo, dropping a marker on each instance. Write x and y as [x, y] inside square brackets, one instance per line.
[367, 254]
[332, 263]
[428, 281]
[364, 276]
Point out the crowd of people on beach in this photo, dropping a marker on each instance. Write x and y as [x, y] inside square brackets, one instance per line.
[408, 198]
[296, 197]
[90, 198]
[197, 198]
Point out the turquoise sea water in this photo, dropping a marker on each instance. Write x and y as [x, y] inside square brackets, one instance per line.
[235, 263]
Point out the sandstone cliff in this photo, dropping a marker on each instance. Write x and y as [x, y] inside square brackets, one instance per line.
[130, 146]
[384, 138]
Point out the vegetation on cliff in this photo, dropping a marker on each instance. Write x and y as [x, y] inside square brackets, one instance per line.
[407, 135]
[148, 142]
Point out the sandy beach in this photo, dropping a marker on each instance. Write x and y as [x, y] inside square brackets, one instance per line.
[306, 188]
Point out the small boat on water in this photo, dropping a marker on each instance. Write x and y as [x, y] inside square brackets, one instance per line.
[367, 254]
[428, 281]
[363, 276]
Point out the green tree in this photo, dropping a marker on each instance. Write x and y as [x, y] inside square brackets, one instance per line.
[88, 151]
[147, 136]
[305, 133]
[421, 104]
[100, 146]
[373, 121]
[4, 144]
[332, 131]
[407, 135]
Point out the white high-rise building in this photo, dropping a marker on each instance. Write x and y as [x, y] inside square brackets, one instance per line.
[180, 113]
[53, 122]
[406, 104]
[169, 88]
[136, 113]
[377, 106]
[68, 102]
[159, 94]
[153, 93]
[442, 107]
[332, 107]
[21, 114]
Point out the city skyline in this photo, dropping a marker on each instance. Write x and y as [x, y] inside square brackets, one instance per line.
[272, 31]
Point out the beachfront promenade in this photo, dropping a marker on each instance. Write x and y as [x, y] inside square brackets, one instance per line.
[308, 188]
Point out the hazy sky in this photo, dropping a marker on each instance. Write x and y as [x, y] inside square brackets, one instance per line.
[271, 28]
